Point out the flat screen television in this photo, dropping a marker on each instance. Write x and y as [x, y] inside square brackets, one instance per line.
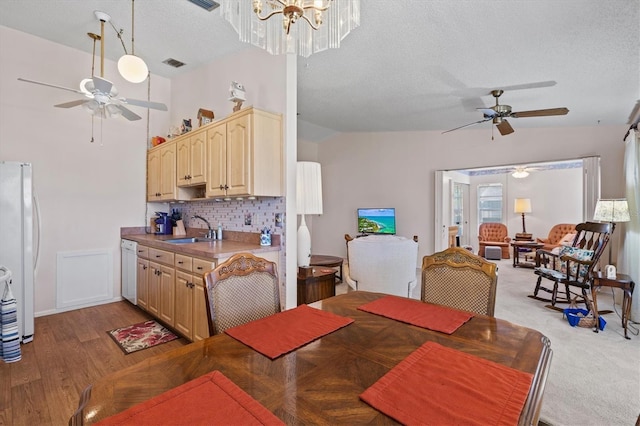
[377, 221]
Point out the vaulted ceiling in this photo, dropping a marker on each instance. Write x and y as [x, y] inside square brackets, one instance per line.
[411, 65]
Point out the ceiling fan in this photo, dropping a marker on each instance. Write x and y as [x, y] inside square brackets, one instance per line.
[520, 172]
[100, 96]
[499, 114]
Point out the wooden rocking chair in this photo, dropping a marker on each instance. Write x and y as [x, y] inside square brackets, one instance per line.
[572, 265]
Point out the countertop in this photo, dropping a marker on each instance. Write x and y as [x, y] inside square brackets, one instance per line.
[217, 249]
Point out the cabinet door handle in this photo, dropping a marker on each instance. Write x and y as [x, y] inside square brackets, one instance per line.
[158, 255]
[180, 262]
[144, 267]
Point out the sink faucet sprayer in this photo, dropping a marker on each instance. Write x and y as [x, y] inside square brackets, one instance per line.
[210, 233]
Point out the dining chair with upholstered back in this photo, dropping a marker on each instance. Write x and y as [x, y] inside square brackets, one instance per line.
[460, 279]
[382, 264]
[242, 289]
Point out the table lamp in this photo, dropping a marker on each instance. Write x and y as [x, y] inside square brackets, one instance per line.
[522, 205]
[308, 201]
[612, 211]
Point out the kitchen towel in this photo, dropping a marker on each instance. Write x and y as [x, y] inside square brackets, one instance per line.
[285, 331]
[414, 312]
[208, 400]
[442, 386]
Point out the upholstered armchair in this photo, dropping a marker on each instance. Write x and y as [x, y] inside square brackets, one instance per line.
[556, 234]
[494, 234]
[383, 264]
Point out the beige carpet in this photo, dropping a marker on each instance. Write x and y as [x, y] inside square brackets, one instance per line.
[594, 379]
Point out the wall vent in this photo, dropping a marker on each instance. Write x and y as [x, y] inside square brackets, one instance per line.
[208, 5]
[173, 63]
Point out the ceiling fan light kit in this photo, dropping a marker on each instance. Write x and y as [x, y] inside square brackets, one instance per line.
[133, 69]
[326, 23]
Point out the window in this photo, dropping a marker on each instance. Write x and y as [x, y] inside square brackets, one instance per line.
[490, 203]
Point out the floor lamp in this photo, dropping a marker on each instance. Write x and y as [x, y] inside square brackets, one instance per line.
[308, 201]
[522, 205]
[612, 211]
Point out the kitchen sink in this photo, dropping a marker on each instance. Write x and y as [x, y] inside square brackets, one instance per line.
[187, 240]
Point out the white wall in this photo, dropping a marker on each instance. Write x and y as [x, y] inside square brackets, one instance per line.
[87, 191]
[397, 170]
[207, 87]
[556, 197]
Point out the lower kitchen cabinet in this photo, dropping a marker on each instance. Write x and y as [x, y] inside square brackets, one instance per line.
[142, 283]
[191, 313]
[171, 287]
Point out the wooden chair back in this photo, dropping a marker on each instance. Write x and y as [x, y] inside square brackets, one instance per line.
[460, 279]
[242, 289]
[572, 266]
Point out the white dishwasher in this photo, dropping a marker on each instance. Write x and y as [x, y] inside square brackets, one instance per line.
[129, 269]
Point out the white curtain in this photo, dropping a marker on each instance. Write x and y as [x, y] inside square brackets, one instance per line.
[630, 254]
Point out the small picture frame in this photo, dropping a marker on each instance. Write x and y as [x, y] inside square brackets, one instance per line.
[204, 117]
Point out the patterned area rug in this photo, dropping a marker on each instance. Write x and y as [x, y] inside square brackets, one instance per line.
[141, 336]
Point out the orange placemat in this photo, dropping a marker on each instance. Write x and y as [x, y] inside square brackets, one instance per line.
[285, 331]
[421, 314]
[438, 385]
[208, 400]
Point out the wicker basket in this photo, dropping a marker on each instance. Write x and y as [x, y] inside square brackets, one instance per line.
[582, 317]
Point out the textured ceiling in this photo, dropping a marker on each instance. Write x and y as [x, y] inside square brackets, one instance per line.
[411, 65]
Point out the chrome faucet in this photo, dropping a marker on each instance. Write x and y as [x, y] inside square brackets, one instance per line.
[210, 233]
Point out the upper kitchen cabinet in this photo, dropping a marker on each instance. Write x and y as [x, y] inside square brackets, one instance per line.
[161, 172]
[192, 159]
[244, 155]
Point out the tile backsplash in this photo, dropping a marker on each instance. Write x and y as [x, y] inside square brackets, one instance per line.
[235, 215]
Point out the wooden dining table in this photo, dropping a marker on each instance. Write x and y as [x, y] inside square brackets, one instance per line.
[320, 383]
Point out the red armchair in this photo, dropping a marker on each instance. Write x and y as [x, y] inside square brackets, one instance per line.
[494, 234]
[556, 234]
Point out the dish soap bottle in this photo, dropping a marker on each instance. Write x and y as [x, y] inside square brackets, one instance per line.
[219, 236]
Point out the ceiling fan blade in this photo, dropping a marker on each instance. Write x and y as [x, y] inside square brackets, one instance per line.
[536, 85]
[540, 112]
[72, 104]
[127, 113]
[50, 85]
[102, 85]
[146, 104]
[504, 127]
[467, 125]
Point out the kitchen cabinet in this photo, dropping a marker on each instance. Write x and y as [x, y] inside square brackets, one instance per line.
[191, 318]
[161, 173]
[191, 165]
[244, 155]
[142, 277]
[171, 288]
[161, 285]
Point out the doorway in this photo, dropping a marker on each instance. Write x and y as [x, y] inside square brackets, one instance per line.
[456, 196]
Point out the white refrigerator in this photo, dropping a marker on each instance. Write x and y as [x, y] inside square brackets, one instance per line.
[17, 253]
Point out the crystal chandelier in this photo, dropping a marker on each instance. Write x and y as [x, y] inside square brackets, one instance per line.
[326, 23]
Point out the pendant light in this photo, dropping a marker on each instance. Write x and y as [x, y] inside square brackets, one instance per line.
[131, 67]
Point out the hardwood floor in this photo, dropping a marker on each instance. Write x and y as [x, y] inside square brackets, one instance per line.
[69, 351]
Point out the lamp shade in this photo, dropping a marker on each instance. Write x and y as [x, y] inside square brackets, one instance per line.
[308, 188]
[522, 205]
[132, 68]
[612, 211]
